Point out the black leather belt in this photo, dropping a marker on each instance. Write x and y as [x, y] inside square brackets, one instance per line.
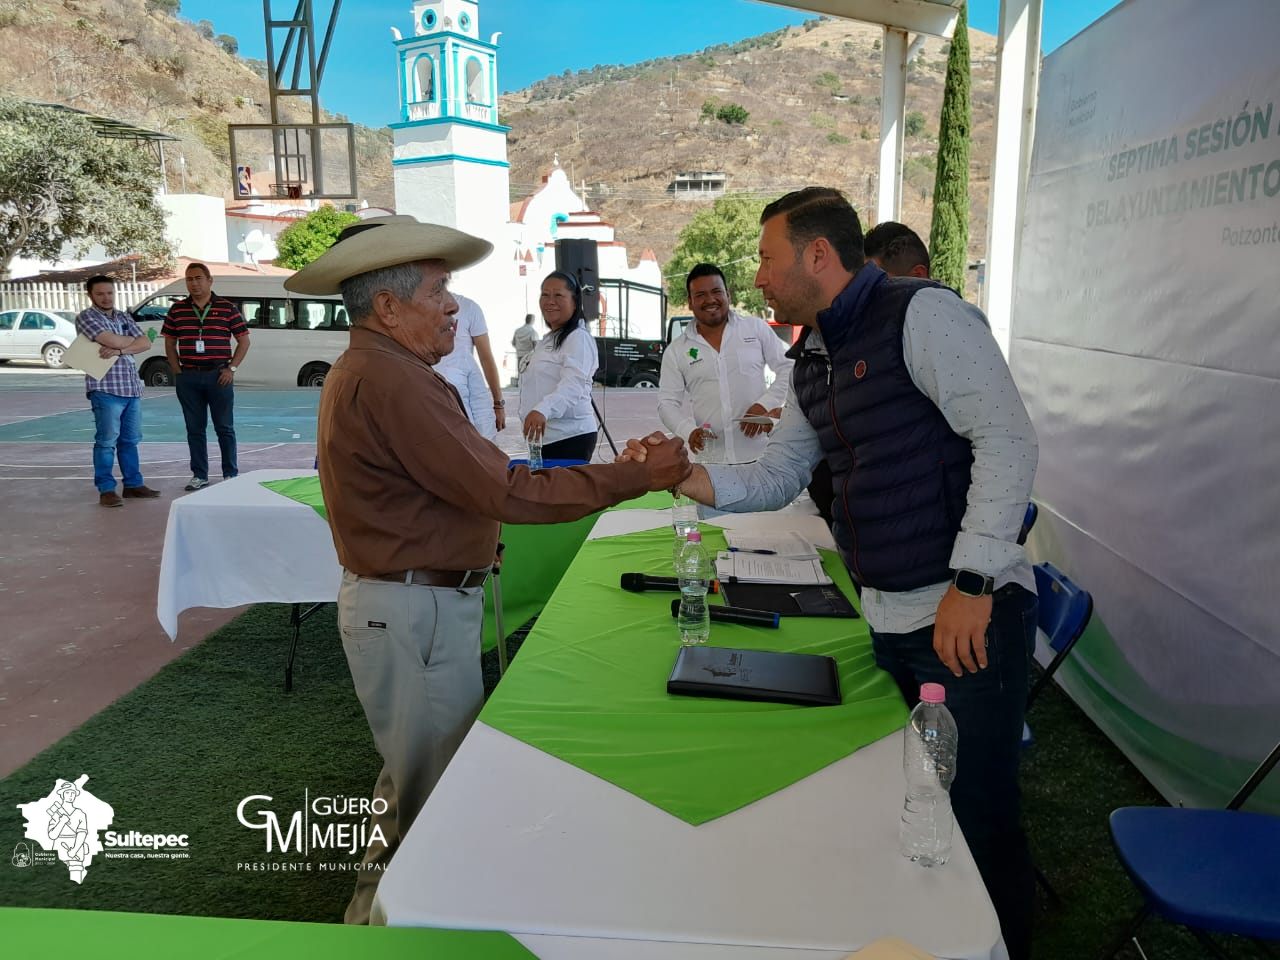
[458, 579]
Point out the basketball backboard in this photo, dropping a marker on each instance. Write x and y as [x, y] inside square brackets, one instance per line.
[299, 161]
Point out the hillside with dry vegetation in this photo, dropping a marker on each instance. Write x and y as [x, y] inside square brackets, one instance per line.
[812, 96]
[134, 60]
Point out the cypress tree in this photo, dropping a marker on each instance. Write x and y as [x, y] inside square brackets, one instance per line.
[949, 231]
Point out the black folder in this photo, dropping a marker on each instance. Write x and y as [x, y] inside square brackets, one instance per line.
[790, 599]
[800, 678]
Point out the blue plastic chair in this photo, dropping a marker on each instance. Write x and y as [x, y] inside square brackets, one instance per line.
[1213, 871]
[1028, 521]
[1065, 611]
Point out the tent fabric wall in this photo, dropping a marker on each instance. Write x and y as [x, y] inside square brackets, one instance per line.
[1146, 342]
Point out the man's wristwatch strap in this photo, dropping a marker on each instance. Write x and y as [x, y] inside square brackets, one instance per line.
[973, 584]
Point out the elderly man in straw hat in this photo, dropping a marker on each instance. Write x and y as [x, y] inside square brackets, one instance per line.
[415, 497]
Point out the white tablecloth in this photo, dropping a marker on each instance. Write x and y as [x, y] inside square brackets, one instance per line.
[517, 840]
[237, 542]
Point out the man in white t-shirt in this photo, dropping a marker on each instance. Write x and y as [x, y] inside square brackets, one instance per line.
[524, 340]
[481, 393]
[713, 375]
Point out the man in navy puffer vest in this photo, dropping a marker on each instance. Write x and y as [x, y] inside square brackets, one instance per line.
[899, 384]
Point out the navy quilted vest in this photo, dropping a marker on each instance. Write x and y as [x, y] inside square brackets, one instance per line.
[899, 472]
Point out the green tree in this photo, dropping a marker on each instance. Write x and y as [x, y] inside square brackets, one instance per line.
[727, 234]
[304, 241]
[171, 7]
[949, 231]
[62, 184]
[228, 43]
[913, 126]
[205, 29]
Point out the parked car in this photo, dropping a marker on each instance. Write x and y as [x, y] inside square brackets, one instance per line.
[36, 335]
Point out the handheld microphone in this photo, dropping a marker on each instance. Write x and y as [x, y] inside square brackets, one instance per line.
[750, 618]
[640, 582]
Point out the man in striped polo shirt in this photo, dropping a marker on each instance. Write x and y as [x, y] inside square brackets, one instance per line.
[116, 399]
[197, 341]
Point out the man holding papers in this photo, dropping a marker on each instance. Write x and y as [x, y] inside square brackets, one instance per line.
[899, 384]
[713, 375]
[116, 398]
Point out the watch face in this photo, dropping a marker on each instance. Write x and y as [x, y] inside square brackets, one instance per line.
[970, 583]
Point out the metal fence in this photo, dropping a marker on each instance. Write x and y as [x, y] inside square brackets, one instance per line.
[67, 296]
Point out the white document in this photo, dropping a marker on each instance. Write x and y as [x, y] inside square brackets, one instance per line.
[83, 355]
[790, 545]
[755, 568]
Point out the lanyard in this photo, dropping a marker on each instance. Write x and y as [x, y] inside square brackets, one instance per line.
[203, 313]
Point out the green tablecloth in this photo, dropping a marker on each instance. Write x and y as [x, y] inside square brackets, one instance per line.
[536, 557]
[589, 686]
[128, 936]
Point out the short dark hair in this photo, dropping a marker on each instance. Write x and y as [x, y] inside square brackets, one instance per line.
[528, 318]
[96, 279]
[896, 246]
[704, 270]
[821, 212]
[197, 265]
[579, 318]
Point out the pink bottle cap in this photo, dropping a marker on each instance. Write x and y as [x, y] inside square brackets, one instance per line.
[693, 536]
[933, 693]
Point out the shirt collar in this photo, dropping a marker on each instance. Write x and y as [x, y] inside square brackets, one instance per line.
[837, 320]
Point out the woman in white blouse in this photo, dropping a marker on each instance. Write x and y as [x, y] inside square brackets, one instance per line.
[555, 388]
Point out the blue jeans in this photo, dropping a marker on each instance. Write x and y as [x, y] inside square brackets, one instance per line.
[988, 707]
[201, 398]
[119, 431]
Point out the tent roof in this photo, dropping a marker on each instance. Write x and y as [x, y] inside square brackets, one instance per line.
[935, 17]
[109, 127]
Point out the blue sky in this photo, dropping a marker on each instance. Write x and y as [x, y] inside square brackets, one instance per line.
[558, 34]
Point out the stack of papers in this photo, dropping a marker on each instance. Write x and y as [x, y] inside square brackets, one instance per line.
[789, 545]
[760, 568]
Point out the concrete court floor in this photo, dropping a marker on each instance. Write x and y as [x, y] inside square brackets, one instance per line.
[78, 626]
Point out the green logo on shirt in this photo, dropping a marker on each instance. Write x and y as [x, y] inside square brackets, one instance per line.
[693, 353]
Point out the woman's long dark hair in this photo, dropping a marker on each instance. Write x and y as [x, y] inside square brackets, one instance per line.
[579, 318]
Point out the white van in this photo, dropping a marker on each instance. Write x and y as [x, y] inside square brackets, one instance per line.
[294, 338]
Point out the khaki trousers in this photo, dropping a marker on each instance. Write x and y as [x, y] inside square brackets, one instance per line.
[414, 654]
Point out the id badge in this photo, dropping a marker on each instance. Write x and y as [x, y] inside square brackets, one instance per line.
[199, 346]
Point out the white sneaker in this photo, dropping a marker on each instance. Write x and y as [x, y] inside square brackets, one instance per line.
[195, 483]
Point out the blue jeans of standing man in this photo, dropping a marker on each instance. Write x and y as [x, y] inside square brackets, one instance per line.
[119, 431]
[201, 398]
[988, 707]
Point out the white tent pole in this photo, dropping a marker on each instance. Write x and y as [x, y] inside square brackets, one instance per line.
[893, 103]
[1017, 77]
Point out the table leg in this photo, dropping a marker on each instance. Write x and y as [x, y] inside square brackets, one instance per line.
[297, 616]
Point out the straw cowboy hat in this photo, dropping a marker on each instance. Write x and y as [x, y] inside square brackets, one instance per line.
[386, 242]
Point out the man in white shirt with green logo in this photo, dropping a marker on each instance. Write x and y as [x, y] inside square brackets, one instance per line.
[713, 375]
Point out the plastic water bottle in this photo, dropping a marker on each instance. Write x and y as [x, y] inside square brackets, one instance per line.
[535, 454]
[684, 520]
[711, 449]
[694, 571]
[929, 761]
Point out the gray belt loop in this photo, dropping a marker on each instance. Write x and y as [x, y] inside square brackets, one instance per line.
[462, 584]
[408, 578]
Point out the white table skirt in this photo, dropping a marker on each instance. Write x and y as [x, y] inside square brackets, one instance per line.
[515, 839]
[237, 542]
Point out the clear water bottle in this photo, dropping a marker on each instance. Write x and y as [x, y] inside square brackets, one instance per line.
[712, 448]
[693, 569]
[535, 454]
[929, 761]
[684, 520]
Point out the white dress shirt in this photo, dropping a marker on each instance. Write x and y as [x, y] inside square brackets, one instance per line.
[557, 383]
[700, 384]
[460, 368]
[954, 361]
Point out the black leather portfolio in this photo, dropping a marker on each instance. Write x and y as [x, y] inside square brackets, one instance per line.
[799, 678]
[790, 599]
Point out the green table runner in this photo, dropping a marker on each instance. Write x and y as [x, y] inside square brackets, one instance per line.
[126, 936]
[536, 557]
[589, 687]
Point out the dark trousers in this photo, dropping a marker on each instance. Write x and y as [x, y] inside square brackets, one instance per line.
[988, 707]
[581, 447]
[202, 398]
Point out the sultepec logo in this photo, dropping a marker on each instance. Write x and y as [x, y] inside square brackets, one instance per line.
[66, 822]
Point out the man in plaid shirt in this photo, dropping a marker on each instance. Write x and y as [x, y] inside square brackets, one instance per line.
[116, 398]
